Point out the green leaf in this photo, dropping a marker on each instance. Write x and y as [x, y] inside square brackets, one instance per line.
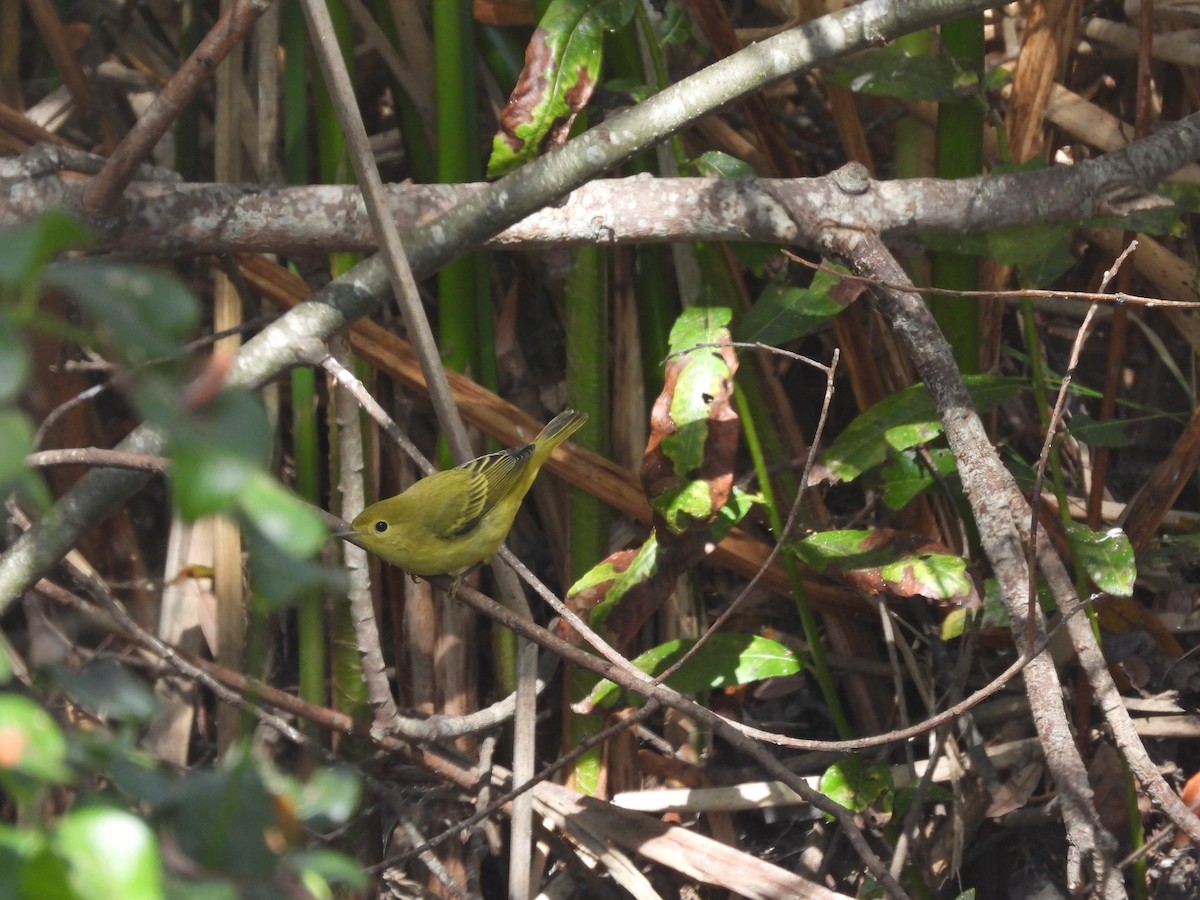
[17, 846]
[109, 689]
[278, 578]
[18, 440]
[1113, 433]
[907, 474]
[14, 358]
[718, 164]
[111, 854]
[783, 313]
[26, 249]
[727, 659]
[1107, 557]
[938, 576]
[901, 421]
[643, 565]
[853, 783]
[682, 506]
[330, 867]
[892, 72]
[208, 481]
[34, 749]
[216, 452]
[142, 313]
[562, 64]
[283, 518]
[221, 819]
[326, 800]
[703, 378]
[902, 563]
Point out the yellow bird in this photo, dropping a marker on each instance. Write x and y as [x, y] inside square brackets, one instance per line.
[450, 520]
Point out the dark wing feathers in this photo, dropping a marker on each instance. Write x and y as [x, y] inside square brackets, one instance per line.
[496, 473]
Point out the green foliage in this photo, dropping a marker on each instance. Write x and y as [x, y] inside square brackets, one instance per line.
[24, 252]
[244, 820]
[901, 421]
[858, 785]
[562, 66]
[35, 753]
[893, 72]
[1106, 556]
[887, 560]
[238, 826]
[784, 313]
[727, 659]
[703, 376]
[218, 445]
[1113, 433]
[908, 474]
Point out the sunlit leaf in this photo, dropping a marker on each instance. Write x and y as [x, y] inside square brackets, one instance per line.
[562, 63]
[111, 854]
[784, 313]
[903, 420]
[1107, 557]
[726, 659]
[885, 560]
[857, 785]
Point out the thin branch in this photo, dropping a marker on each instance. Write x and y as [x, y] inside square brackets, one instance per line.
[102, 192]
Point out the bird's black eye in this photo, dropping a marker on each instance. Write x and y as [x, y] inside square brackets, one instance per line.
[380, 527]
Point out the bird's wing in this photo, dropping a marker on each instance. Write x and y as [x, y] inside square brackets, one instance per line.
[498, 473]
[450, 502]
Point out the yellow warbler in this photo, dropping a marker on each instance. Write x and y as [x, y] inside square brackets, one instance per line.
[450, 520]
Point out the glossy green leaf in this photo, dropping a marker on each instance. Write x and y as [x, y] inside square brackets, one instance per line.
[562, 65]
[901, 421]
[858, 785]
[727, 659]
[1107, 557]
[142, 313]
[898, 562]
[685, 505]
[938, 576]
[643, 565]
[784, 313]
[705, 375]
[110, 853]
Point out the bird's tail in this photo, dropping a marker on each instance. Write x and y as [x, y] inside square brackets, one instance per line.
[561, 427]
